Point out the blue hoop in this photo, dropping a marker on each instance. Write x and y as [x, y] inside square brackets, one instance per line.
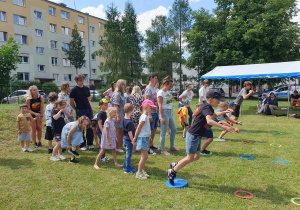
[249, 157]
[280, 161]
[245, 131]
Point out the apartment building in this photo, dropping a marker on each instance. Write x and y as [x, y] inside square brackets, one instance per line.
[43, 28]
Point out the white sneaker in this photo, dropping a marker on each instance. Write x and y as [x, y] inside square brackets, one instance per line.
[119, 150]
[54, 158]
[145, 174]
[140, 176]
[150, 152]
[24, 149]
[221, 139]
[83, 148]
[61, 157]
[29, 150]
[91, 147]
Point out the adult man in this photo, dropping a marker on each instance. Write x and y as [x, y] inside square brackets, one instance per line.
[295, 99]
[81, 95]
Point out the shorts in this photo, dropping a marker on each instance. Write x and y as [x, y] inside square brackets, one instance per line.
[57, 137]
[208, 133]
[142, 143]
[25, 136]
[295, 102]
[193, 143]
[154, 123]
[49, 133]
[236, 112]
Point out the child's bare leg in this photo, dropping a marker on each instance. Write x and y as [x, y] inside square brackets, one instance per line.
[56, 148]
[22, 144]
[142, 163]
[114, 154]
[188, 159]
[49, 144]
[185, 130]
[98, 158]
[27, 144]
[222, 134]
[60, 149]
[206, 143]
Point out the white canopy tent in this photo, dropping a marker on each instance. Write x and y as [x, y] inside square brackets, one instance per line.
[283, 70]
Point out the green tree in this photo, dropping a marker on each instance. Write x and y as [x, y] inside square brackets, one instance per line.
[75, 53]
[180, 19]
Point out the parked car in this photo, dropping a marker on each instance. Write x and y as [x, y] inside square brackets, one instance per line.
[281, 92]
[219, 89]
[95, 94]
[18, 95]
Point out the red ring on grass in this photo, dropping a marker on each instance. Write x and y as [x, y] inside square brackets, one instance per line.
[236, 194]
[247, 142]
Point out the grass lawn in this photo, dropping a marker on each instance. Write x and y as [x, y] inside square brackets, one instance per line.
[32, 181]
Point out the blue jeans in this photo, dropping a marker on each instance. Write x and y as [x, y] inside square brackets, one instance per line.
[168, 115]
[193, 143]
[190, 113]
[128, 148]
[89, 132]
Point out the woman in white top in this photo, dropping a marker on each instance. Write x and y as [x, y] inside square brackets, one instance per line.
[166, 115]
[187, 95]
[203, 90]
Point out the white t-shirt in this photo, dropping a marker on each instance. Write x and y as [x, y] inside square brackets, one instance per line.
[167, 99]
[202, 92]
[146, 129]
[48, 115]
[186, 95]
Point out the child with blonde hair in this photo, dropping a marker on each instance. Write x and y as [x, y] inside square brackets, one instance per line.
[24, 129]
[108, 137]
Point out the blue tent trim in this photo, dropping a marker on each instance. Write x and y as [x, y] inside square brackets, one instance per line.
[253, 76]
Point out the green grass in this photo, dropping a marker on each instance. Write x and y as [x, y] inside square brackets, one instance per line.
[32, 181]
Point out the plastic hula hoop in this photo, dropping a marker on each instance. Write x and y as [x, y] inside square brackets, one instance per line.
[246, 157]
[281, 161]
[247, 142]
[249, 193]
[293, 201]
[275, 145]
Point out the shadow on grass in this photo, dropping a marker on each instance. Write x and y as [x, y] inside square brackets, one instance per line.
[240, 141]
[16, 163]
[231, 154]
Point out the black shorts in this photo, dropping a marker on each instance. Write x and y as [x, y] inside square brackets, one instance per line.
[236, 112]
[49, 133]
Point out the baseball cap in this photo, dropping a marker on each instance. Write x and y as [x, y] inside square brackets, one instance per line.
[231, 103]
[147, 102]
[215, 94]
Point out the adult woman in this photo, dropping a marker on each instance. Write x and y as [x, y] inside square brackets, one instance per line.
[111, 90]
[166, 115]
[118, 101]
[136, 99]
[272, 103]
[64, 95]
[35, 104]
[187, 95]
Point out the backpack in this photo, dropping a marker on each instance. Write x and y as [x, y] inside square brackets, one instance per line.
[268, 111]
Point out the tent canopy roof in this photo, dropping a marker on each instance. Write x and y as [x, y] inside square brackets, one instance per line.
[256, 71]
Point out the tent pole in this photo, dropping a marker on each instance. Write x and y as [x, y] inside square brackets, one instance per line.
[287, 113]
[228, 91]
[258, 93]
[240, 90]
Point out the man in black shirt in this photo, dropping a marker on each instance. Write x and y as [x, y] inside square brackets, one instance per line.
[295, 99]
[196, 131]
[81, 95]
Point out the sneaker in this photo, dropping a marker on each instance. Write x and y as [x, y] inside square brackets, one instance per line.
[145, 174]
[73, 152]
[50, 151]
[150, 152]
[61, 157]
[173, 164]
[171, 176]
[29, 150]
[73, 161]
[154, 147]
[129, 172]
[205, 152]
[165, 153]
[39, 144]
[221, 139]
[104, 159]
[63, 149]
[83, 148]
[91, 147]
[24, 149]
[140, 176]
[54, 158]
[35, 145]
[119, 150]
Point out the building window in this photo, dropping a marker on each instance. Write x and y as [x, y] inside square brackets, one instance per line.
[67, 77]
[93, 57]
[92, 29]
[39, 32]
[21, 39]
[85, 77]
[19, 20]
[65, 30]
[93, 71]
[53, 28]
[23, 76]
[64, 15]
[3, 16]
[100, 38]
[53, 44]
[100, 25]
[41, 67]
[56, 77]
[81, 34]
[51, 11]
[83, 48]
[37, 15]
[40, 50]
[54, 61]
[24, 58]
[101, 64]
[3, 36]
[93, 43]
[66, 62]
[80, 19]
[66, 46]
[19, 2]
[83, 66]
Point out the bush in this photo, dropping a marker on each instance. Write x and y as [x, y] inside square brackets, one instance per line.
[50, 87]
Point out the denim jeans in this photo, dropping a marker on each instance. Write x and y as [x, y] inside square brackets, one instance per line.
[89, 132]
[190, 113]
[168, 115]
[128, 149]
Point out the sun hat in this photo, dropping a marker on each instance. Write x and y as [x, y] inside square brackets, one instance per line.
[147, 102]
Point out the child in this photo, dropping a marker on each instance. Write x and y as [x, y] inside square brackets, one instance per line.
[24, 128]
[261, 106]
[108, 138]
[196, 131]
[71, 136]
[232, 106]
[108, 99]
[183, 114]
[128, 132]
[142, 135]
[52, 97]
[198, 106]
[58, 122]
